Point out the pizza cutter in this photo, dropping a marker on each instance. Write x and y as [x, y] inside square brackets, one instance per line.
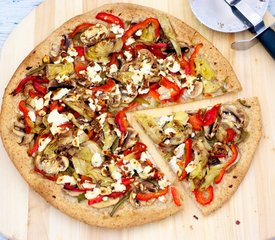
[230, 16]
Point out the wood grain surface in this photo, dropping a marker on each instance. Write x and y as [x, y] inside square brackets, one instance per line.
[25, 215]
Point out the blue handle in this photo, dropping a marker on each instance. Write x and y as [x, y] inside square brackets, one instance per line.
[267, 38]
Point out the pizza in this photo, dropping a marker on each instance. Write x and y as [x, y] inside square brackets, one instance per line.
[209, 149]
[64, 113]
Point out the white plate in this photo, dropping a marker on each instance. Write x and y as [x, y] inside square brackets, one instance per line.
[217, 15]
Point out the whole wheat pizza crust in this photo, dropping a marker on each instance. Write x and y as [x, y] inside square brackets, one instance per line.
[231, 180]
[126, 215]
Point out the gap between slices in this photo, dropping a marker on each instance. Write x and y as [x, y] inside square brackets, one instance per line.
[74, 105]
[208, 149]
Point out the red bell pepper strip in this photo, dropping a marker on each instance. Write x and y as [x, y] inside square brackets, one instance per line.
[80, 66]
[121, 117]
[127, 181]
[204, 197]
[192, 59]
[52, 178]
[142, 25]
[27, 79]
[66, 125]
[80, 28]
[150, 195]
[34, 94]
[196, 121]
[211, 115]
[80, 51]
[230, 135]
[56, 105]
[173, 87]
[84, 178]
[176, 196]
[110, 84]
[69, 187]
[228, 163]
[95, 200]
[109, 18]
[28, 122]
[34, 147]
[39, 88]
[115, 59]
[188, 157]
[115, 194]
[154, 48]
[137, 149]
[221, 155]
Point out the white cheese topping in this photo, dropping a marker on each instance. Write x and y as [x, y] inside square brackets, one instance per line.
[190, 167]
[38, 103]
[130, 41]
[163, 183]
[43, 142]
[116, 29]
[175, 67]
[88, 185]
[97, 160]
[32, 116]
[138, 33]
[179, 150]
[56, 118]
[116, 175]
[174, 166]
[118, 187]
[164, 119]
[162, 199]
[60, 93]
[113, 68]
[128, 56]
[92, 194]
[66, 179]
[72, 52]
[167, 131]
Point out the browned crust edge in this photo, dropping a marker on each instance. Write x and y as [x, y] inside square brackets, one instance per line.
[127, 216]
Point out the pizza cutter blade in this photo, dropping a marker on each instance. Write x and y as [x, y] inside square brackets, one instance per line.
[229, 17]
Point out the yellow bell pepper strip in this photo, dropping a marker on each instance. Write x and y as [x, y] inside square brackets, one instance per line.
[204, 197]
[188, 157]
[150, 195]
[80, 28]
[110, 18]
[228, 163]
[110, 84]
[176, 196]
[28, 122]
[142, 25]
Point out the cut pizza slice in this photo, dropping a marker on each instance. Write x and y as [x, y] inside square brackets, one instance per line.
[210, 149]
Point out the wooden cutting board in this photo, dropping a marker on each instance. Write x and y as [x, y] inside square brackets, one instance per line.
[25, 215]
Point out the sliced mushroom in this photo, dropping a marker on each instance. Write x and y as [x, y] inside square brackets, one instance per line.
[235, 115]
[131, 139]
[129, 93]
[210, 131]
[94, 34]
[51, 165]
[145, 55]
[54, 85]
[196, 91]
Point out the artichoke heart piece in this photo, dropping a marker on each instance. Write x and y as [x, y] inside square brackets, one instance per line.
[151, 127]
[148, 34]
[81, 108]
[210, 86]
[109, 137]
[84, 168]
[170, 34]
[181, 117]
[103, 49]
[53, 70]
[204, 69]
[211, 174]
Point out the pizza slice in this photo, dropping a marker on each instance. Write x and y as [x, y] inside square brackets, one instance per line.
[209, 149]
